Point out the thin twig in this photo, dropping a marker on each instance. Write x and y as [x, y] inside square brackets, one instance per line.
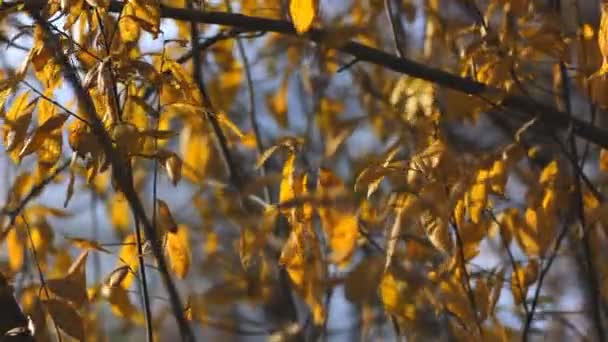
[33, 193]
[396, 28]
[592, 281]
[467, 277]
[119, 171]
[512, 260]
[43, 286]
[530, 317]
[252, 108]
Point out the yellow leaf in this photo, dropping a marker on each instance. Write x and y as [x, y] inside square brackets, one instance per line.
[211, 243]
[527, 234]
[498, 176]
[604, 160]
[195, 149]
[522, 279]
[437, 231]
[392, 294]
[478, 197]
[339, 224]
[15, 250]
[17, 120]
[128, 256]
[549, 173]
[343, 238]
[178, 250]
[40, 135]
[456, 299]
[128, 27]
[120, 304]
[549, 200]
[302, 13]
[301, 256]
[286, 191]
[147, 13]
[602, 36]
[277, 103]
[66, 318]
[119, 212]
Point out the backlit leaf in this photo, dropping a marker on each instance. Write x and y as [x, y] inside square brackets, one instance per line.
[178, 250]
[15, 250]
[128, 256]
[303, 13]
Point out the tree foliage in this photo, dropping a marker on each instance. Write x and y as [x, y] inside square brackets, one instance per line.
[434, 168]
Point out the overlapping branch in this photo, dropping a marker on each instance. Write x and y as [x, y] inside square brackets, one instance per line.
[549, 116]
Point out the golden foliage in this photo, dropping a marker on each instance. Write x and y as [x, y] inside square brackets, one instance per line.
[302, 13]
[279, 161]
[178, 250]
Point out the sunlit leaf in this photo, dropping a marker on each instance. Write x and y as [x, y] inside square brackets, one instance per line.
[303, 13]
[178, 250]
[128, 256]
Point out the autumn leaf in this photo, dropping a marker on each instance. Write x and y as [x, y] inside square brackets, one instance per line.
[602, 38]
[287, 192]
[302, 258]
[604, 159]
[178, 250]
[15, 249]
[302, 13]
[165, 219]
[361, 283]
[73, 286]
[128, 256]
[66, 318]
[38, 137]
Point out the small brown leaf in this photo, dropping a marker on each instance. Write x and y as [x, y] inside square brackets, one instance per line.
[361, 284]
[69, 192]
[173, 165]
[66, 318]
[73, 286]
[86, 244]
[166, 221]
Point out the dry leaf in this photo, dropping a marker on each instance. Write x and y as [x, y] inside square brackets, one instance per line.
[66, 318]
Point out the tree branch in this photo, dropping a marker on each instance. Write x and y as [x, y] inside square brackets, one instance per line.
[549, 115]
[120, 169]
